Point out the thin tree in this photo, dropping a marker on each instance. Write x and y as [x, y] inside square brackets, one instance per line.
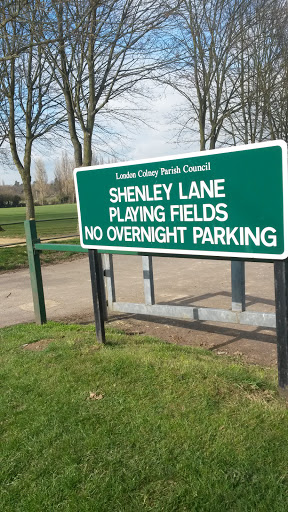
[63, 178]
[29, 102]
[203, 69]
[262, 64]
[41, 180]
[17, 11]
[104, 61]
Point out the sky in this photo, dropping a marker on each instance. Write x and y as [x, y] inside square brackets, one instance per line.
[144, 142]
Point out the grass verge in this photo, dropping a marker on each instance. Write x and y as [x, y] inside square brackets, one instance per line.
[137, 425]
[12, 258]
[65, 226]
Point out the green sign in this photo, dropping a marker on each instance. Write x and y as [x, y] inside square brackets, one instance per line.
[230, 202]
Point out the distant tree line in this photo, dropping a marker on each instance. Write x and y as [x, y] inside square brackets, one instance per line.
[11, 195]
[58, 190]
[77, 69]
[61, 188]
[9, 200]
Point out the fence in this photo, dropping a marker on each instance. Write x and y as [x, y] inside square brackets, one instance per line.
[101, 270]
[237, 314]
[21, 223]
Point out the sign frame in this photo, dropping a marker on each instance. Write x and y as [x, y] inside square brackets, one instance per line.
[194, 253]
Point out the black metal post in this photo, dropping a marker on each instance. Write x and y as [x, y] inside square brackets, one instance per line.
[102, 287]
[95, 272]
[281, 302]
[110, 282]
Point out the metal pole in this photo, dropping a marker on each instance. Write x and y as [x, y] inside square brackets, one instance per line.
[110, 282]
[35, 272]
[95, 273]
[102, 286]
[281, 303]
[149, 293]
[238, 285]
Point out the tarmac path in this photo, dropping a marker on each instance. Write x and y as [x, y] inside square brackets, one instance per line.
[180, 281]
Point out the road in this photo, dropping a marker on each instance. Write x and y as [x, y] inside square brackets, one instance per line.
[179, 281]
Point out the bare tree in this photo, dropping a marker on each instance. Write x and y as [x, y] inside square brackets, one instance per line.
[262, 64]
[29, 101]
[203, 56]
[41, 180]
[105, 61]
[19, 11]
[63, 178]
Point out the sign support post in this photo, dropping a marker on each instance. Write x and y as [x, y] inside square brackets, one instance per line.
[97, 293]
[149, 293]
[238, 285]
[35, 272]
[102, 287]
[281, 303]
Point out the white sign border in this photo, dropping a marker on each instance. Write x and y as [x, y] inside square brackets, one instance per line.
[195, 253]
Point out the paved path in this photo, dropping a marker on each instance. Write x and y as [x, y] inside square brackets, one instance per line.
[66, 289]
[181, 281]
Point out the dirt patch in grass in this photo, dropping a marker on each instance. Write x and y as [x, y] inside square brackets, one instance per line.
[255, 345]
[8, 241]
[11, 241]
[37, 345]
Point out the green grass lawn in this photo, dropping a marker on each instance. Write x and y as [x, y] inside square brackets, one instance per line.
[12, 258]
[167, 428]
[44, 229]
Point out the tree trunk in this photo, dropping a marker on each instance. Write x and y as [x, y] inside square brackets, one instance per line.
[30, 209]
[202, 140]
[73, 134]
[87, 149]
[202, 122]
[212, 142]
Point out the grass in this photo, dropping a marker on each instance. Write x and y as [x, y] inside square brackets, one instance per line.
[44, 229]
[173, 428]
[12, 258]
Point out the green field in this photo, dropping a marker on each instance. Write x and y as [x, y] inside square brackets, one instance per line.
[136, 425]
[44, 229]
